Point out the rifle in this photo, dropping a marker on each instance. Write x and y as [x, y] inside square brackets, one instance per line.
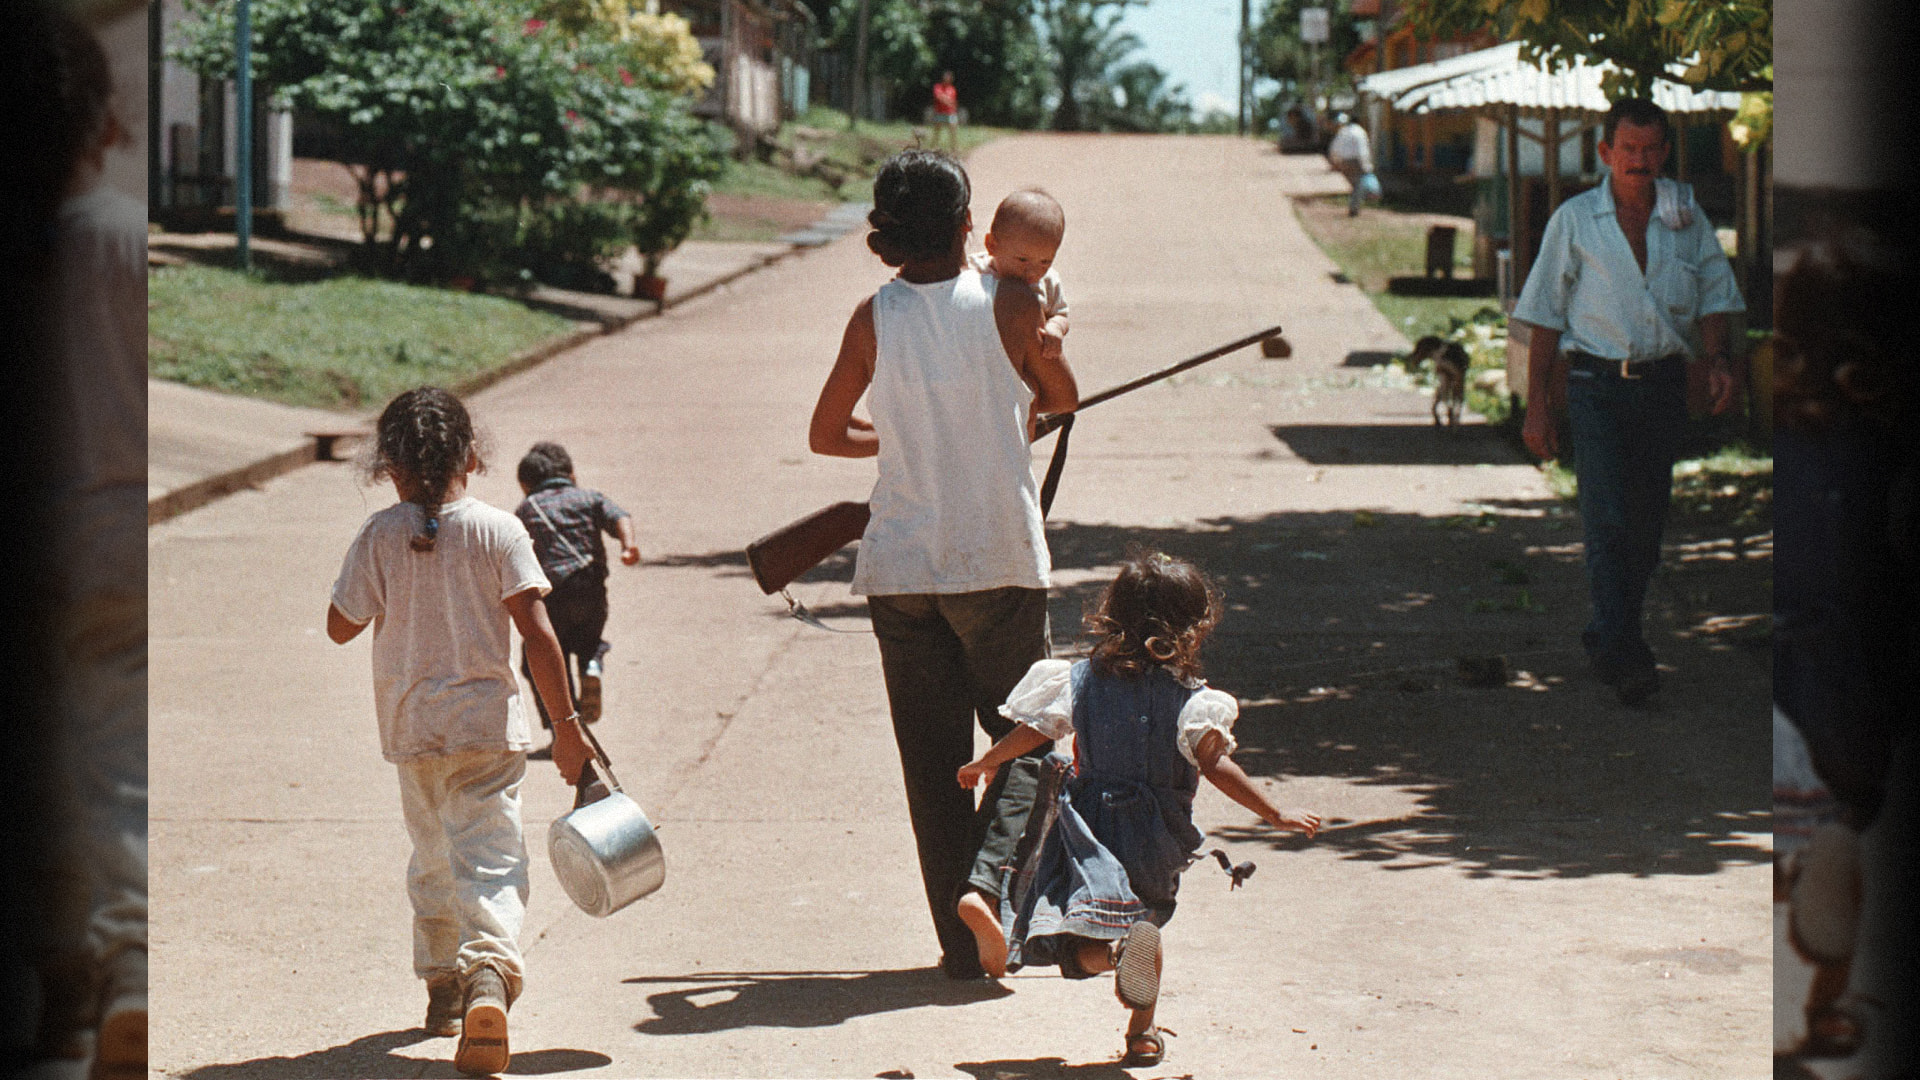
[787, 552]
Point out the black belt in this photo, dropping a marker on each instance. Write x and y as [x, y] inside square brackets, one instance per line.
[1625, 369]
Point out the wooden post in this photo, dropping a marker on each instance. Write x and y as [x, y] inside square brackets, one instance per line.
[1516, 228]
[1551, 148]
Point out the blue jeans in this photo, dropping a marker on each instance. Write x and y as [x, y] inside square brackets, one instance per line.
[1626, 434]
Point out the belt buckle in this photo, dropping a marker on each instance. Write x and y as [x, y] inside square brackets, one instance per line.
[1625, 373]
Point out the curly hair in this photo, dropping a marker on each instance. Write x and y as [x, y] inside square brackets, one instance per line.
[1156, 613]
[425, 437]
[920, 204]
[543, 462]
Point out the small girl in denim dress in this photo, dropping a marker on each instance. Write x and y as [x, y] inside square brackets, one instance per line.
[1099, 878]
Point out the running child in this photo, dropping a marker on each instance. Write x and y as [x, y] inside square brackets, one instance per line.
[441, 576]
[567, 523]
[1100, 882]
[1027, 228]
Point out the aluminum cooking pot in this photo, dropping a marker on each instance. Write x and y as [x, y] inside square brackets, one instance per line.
[604, 852]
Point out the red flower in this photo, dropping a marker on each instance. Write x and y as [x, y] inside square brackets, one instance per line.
[626, 76]
[499, 71]
[573, 118]
[534, 26]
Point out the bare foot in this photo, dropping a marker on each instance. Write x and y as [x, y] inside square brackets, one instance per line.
[992, 940]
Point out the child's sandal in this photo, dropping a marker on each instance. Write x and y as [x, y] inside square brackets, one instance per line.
[1136, 980]
[1146, 1048]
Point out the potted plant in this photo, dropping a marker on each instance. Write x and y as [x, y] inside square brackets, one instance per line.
[670, 208]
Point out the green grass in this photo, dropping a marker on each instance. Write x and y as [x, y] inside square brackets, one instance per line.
[342, 342]
[1733, 484]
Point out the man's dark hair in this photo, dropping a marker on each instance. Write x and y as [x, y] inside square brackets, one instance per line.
[544, 462]
[1638, 111]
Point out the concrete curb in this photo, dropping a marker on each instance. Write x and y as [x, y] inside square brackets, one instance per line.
[201, 492]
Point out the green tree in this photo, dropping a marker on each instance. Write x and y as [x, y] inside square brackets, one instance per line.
[993, 49]
[1087, 45]
[477, 131]
[1143, 101]
[1279, 53]
[1723, 44]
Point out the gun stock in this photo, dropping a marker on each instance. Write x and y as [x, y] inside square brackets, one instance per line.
[786, 553]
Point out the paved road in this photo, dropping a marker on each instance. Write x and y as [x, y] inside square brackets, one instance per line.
[1522, 881]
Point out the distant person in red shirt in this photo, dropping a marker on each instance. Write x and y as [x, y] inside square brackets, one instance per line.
[946, 113]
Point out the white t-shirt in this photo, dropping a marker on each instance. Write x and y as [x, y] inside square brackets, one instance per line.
[103, 339]
[100, 465]
[443, 679]
[1053, 299]
[1350, 144]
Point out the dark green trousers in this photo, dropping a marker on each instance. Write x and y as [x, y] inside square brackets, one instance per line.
[949, 661]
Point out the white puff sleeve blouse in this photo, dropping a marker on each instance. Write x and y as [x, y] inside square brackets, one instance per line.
[1043, 700]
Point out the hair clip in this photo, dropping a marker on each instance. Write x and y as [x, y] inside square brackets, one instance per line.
[1162, 558]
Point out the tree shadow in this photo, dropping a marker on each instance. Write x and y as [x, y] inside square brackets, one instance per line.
[1370, 358]
[374, 1056]
[1397, 444]
[1344, 637]
[725, 1000]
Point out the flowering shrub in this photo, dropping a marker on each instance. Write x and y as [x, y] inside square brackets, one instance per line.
[474, 129]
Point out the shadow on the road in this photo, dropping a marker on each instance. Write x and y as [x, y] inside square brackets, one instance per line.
[1343, 640]
[711, 1001]
[1369, 358]
[1047, 1068]
[373, 1056]
[1396, 444]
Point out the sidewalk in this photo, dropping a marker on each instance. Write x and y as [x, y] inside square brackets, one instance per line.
[202, 444]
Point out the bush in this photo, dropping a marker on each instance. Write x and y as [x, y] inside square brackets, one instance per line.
[472, 127]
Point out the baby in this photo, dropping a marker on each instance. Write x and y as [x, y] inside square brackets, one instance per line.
[1021, 243]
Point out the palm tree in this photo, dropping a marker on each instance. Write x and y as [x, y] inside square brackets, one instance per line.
[1087, 45]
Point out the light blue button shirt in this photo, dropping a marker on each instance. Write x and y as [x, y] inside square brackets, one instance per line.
[1587, 285]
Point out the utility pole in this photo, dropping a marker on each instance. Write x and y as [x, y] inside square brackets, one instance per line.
[243, 142]
[1245, 109]
[859, 69]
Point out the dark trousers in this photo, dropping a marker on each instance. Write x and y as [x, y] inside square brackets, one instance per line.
[1626, 434]
[577, 608]
[949, 662]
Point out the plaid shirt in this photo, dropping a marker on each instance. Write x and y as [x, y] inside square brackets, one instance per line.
[579, 516]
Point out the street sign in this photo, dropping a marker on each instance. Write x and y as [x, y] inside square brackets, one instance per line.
[1313, 25]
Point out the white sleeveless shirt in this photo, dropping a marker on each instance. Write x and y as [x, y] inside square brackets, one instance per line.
[956, 508]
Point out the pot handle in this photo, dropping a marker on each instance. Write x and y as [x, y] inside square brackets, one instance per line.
[596, 780]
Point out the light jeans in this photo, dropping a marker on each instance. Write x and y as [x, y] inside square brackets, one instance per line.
[468, 875]
[101, 633]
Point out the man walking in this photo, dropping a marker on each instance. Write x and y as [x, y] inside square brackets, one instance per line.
[1351, 155]
[1629, 287]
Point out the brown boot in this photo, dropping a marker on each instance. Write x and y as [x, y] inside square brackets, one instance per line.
[483, 1035]
[120, 1048]
[445, 1006]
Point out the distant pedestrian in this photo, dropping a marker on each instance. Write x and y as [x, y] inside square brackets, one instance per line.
[1351, 154]
[1622, 298]
[1146, 728]
[568, 523]
[442, 576]
[1021, 242]
[946, 112]
[954, 560]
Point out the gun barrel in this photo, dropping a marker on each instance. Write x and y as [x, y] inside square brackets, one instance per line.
[1051, 423]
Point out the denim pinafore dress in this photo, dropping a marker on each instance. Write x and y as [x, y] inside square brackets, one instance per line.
[1110, 850]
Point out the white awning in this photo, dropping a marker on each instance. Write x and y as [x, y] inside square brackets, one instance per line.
[1498, 77]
